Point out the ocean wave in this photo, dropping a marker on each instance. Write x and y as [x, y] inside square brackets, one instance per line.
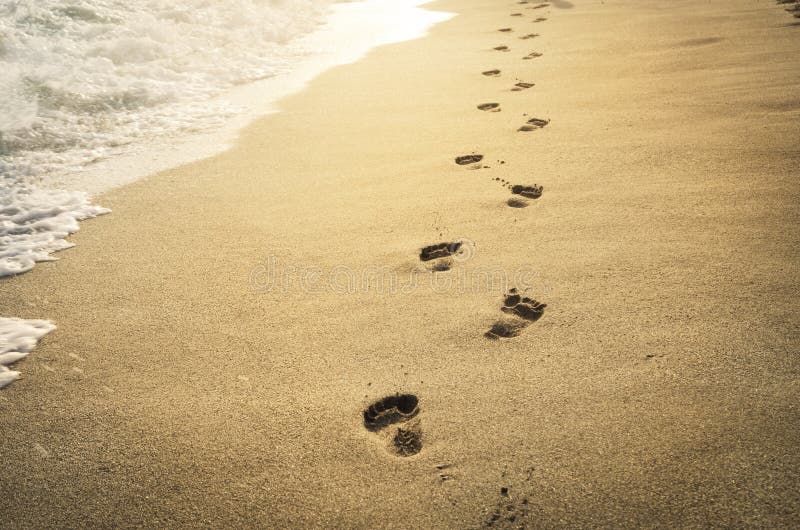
[83, 79]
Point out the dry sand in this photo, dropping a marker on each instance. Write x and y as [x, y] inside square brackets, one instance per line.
[660, 388]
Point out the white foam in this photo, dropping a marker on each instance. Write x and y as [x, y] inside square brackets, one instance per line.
[18, 338]
[176, 114]
[83, 79]
[35, 222]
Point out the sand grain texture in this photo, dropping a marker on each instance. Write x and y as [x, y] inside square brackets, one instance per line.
[659, 388]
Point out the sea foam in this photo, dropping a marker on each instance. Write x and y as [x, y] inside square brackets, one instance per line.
[34, 223]
[18, 337]
[83, 79]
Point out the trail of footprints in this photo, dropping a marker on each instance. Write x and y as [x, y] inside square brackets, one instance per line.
[394, 419]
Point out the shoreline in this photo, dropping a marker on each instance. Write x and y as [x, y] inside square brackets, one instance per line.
[175, 394]
[359, 24]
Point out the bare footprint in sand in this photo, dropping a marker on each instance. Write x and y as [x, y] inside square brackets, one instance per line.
[505, 30]
[540, 19]
[522, 306]
[516, 14]
[524, 192]
[491, 73]
[516, 202]
[505, 329]
[509, 512]
[439, 257]
[530, 192]
[522, 86]
[502, 48]
[532, 55]
[465, 160]
[534, 124]
[529, 36]
[491, 107]
[522, 310]
[406, 440]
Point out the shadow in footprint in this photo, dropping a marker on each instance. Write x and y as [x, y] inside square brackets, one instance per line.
[524, 192]
[534, 124]
[389, 410]
[465, 160]
[540, 19]
[438, 257]
[398, 408]
[491, 73]
[522, 86]
[529, 192]
[522, 306]
[532, 55]
[505, 30]
[529, 36]
[516, 202]
[522, 310]
[408, 442]
[493, 107]
[502, 48]
[440, 250]
[505, 329]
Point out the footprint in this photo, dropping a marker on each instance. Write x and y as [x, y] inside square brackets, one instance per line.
[529, 36]
[508, 511]
[516, 14]
[399, 408]
[505, 30]
[408, 441]
[522, 306]
[502, 48]
[532, 55]
[522, 86]
[491, 73]
[465, 160]
[439, 255]
[534, 124]
[389, 410]
[494, 107]
[523, 311]
[505, 329]
[530, 192]
[539, 6]
[440, 250]
[540, 19]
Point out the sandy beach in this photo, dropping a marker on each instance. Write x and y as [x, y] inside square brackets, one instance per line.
[222, 333]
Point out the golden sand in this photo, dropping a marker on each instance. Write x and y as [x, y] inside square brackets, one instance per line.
[659, 386]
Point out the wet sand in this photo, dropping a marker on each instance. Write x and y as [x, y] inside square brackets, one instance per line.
[188, 386]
